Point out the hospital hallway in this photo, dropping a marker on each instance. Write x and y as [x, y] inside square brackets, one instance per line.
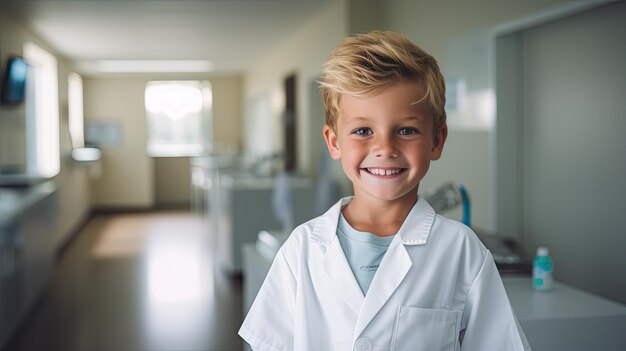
[140, 282]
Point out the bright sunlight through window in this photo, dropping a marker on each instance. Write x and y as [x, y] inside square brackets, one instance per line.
[42, 111]
[179, 118]
[76, 114]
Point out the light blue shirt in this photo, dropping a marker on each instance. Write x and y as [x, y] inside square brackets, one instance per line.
[364, 252]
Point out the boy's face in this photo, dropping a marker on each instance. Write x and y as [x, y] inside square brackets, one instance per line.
[385, 142]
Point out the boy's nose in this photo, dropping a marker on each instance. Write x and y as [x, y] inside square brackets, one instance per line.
[385, 148]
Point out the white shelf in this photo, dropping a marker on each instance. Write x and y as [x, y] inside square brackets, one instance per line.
[566, 318]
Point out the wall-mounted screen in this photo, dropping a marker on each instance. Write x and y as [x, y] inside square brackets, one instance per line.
[14, 81]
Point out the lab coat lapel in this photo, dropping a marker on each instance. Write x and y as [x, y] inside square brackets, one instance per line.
[341, 277]
[334, 261]
[397, 262]
[391, 272]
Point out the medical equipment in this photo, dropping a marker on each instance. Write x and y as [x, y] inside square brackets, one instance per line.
[449, 196]
[507, 252]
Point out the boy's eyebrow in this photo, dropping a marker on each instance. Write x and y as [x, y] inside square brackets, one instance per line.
[419, 118]
[360, 119]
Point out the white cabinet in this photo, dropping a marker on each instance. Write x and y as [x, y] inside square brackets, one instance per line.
[237, 204]
[27, 251]
[243, 207]
[566, 318]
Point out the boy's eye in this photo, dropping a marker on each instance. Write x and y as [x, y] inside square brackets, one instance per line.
[362, 131]
[407, 131]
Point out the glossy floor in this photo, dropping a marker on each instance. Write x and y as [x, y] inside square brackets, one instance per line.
[137, 282]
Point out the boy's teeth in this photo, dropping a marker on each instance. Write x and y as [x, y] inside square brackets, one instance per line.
[379, 171]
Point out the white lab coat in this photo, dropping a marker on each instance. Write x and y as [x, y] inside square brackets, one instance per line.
[437, 288]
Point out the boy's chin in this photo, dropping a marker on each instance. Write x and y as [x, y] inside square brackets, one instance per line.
[390, 197]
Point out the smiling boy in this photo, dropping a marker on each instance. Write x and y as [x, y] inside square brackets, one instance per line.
[385, 143]
[381, 270]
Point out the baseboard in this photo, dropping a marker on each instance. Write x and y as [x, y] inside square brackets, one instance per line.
[121, 210]
[67, 241]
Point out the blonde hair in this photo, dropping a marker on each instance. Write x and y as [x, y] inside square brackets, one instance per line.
[366, 64]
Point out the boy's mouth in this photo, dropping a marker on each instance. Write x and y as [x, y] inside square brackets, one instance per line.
[384, 171]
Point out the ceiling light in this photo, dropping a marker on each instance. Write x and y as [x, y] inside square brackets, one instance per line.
[153, 66]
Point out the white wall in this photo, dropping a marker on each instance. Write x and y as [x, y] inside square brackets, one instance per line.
[303, 53]
[573, 147]
[434, 24]
[13, 35]
[458, 33]
[72, 179]
[467, 167]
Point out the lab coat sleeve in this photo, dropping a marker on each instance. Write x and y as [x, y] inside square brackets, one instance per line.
[269, 324]
[489, 318]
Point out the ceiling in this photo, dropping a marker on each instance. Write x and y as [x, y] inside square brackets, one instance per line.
[231, 34]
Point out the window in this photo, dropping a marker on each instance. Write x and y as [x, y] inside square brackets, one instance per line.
[42, 113]
[76, 114]
[179, 118]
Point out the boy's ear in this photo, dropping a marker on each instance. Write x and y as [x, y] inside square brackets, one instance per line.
[331, 142]
[440, 140]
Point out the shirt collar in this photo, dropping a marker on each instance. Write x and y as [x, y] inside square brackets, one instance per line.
[414, 231]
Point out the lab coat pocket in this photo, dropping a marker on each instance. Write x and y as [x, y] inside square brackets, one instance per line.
[425, 329]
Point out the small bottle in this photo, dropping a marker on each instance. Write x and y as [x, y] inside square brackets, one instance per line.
[543, 270]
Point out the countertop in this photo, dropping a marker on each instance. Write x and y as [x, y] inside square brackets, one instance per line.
[15, 200]
[566, 318]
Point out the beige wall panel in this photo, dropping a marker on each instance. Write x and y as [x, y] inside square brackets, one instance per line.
[227, 113]
[127, 178]
[172, 177]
